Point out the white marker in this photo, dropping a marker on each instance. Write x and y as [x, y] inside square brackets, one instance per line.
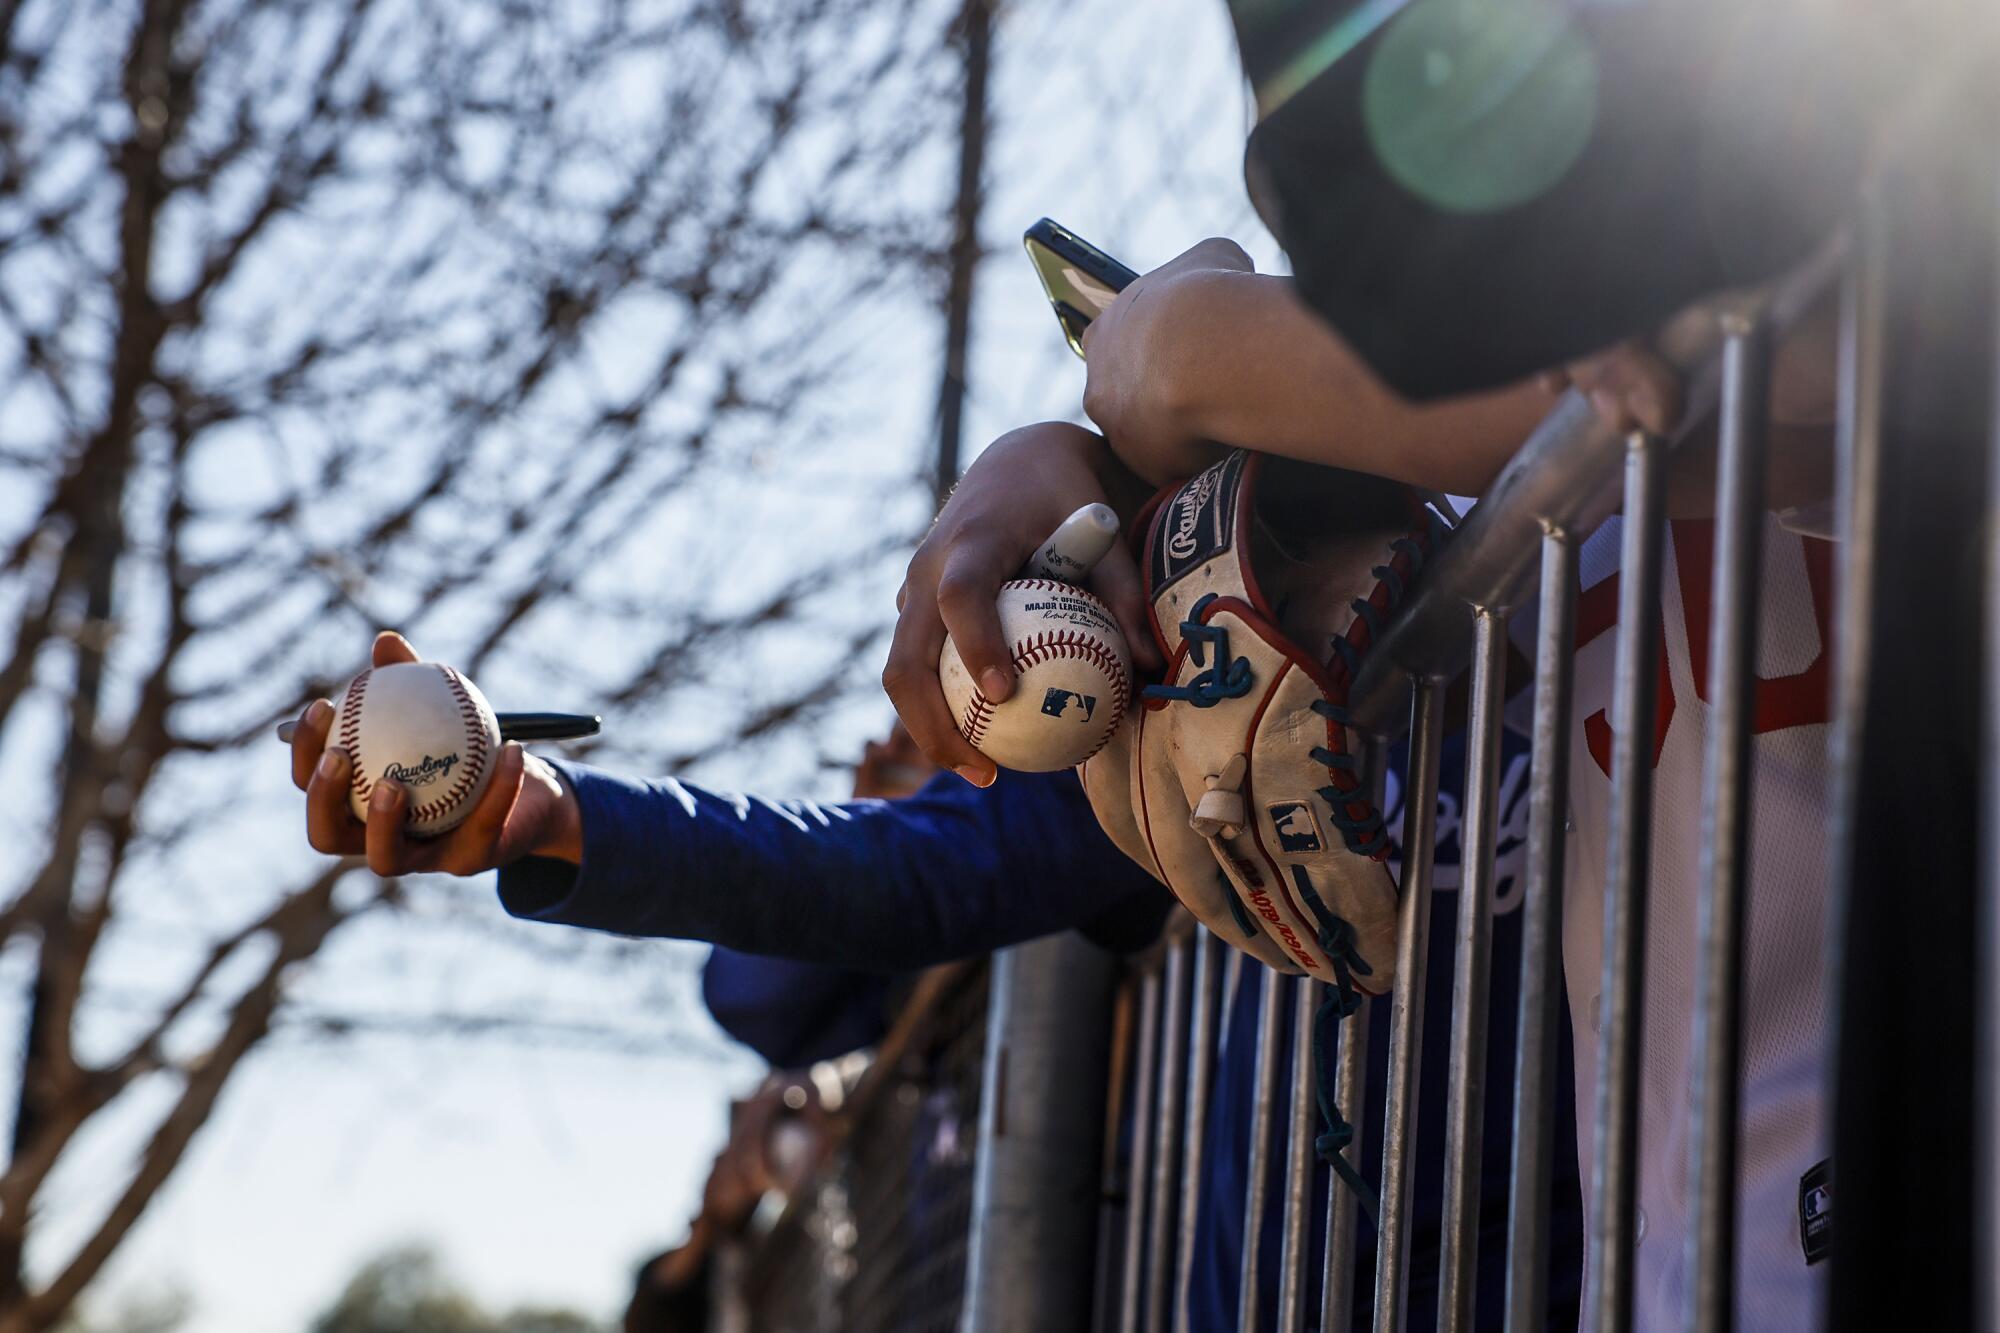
[1074, 549]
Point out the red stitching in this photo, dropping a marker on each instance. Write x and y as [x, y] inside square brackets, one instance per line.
[1055, 585]
[1361, 637]
[350, 734]
[977, 714]
[475, 753]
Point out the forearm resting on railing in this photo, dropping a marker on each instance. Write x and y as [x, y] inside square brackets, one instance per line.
[1212, 358]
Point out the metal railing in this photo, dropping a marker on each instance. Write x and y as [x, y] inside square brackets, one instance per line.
[1051, 1119]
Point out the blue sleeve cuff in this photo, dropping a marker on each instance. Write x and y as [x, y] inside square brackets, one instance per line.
[543, 889]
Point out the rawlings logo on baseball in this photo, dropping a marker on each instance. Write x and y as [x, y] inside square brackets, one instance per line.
[422, 773]
[425, 727]
[1074, 679]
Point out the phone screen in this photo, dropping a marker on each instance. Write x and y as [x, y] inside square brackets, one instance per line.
[1079, 278]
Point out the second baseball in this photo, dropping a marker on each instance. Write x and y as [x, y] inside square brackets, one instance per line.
[428, 728]
[1073, 680]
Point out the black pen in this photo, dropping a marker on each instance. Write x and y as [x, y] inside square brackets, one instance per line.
[517, 726]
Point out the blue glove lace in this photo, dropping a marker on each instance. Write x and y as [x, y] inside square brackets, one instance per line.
[1226, 678]
[1336, 940]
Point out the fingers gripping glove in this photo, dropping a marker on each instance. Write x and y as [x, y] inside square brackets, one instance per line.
[1238, 783]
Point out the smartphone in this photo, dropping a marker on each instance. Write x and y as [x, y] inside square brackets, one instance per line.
[1080, 279]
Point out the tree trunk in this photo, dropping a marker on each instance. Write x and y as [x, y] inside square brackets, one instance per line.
[976, 33]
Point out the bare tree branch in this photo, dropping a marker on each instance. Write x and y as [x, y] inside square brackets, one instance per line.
[475, 318]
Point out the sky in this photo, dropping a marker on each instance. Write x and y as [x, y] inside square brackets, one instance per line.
[543, 1169]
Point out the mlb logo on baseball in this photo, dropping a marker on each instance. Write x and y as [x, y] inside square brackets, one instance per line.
[1056, 703]
[1297, 826]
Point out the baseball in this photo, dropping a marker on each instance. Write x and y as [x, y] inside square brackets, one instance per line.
[1074, 680]
[427, 727]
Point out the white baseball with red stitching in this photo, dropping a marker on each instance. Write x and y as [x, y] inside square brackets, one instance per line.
[1073, 680]
[427, 727]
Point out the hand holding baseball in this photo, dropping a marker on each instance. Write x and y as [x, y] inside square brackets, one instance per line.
[1021, 488]
[520, 806]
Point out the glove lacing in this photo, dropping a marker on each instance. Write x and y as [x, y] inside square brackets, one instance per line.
[1341, 1001]
[1228, 678]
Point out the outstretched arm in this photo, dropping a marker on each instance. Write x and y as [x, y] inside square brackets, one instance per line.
[885, 885]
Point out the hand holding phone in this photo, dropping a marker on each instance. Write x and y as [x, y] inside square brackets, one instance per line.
[1080, 279]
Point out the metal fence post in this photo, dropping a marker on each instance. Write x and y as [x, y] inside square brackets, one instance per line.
[1909, 768]
[1406, 1007]
[1986, 1252]
[1138, 1165]
[1201, 1061]
[1350, 1092]
[1350, 1089]
[1263, 1112]
[1615, 1178]
[1465, 1108]
[1716, 1058]
[1299, 1161]
[1041, 1124]
[1160, 1249]
[1541, 992]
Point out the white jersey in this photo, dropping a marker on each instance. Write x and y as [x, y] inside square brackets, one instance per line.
[1785, 1128]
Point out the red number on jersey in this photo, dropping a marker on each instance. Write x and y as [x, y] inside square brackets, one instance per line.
[1798, 700]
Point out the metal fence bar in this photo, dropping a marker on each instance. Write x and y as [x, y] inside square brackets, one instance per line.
[1040, 1135]
[1716, 1059]
[1111, 1182]
[1614, 1187]
[1541, 992]
[1858, 464]
[1298, 1164]
[1986, 1252]
[1857, 474]
[1138, 1166]
[1263, 1109]
[1350, 1091]
[1905, 1095]
[1166, 1133]
[1406, 1012]
[1466, 1090]
[1201, 1060]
